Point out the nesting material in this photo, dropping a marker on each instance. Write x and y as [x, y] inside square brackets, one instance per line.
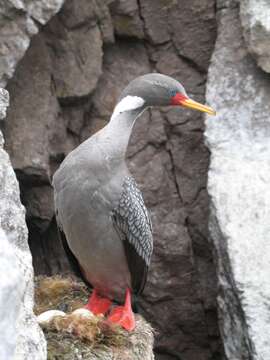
[73, 332]
[47, 316]
[58, 293]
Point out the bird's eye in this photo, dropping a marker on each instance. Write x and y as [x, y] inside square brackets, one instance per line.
[173, 93]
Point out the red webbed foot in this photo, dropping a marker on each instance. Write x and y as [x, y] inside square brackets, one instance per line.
[98, 304]
[123, 315]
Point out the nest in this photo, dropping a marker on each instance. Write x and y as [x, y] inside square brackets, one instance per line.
[75, 336]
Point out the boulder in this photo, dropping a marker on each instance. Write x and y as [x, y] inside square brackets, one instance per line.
[238, 184]
[255, 19]
[22, 336]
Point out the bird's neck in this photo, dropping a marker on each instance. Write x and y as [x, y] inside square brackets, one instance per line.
[119, 129]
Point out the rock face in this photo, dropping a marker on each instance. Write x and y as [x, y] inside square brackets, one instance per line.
[10, 294]
[255, 18]
[4, 101]
[19, 21]
[166, 155]
[22, 335]
[239, 188]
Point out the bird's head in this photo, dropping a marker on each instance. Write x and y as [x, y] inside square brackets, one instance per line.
[161, 90]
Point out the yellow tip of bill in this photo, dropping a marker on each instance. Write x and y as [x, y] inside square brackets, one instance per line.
[191, 104]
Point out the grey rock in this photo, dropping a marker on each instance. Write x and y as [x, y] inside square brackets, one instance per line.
[4, 101]
[30, 343]
[77, 14]
[238, 184]
[10, 293]
[39, 202]
[76, 59]
[194, 39]
[126, 19]
[17, 20]
[42, 10]
[155, 15]
[35, 110]
[255, 18]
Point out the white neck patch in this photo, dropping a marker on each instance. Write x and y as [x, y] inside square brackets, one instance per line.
[126, 104]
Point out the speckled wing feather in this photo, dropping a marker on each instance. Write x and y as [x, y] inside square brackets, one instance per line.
[133, 223]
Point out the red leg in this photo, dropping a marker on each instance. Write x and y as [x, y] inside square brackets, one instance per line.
[123, 315]
[98, 304]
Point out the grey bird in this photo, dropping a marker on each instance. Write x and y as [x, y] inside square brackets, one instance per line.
[105, 226]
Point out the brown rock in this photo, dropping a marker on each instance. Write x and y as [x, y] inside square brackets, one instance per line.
[156, 22]
[79, 13]
[88, 13]
[33, 116]
[76, 59]
[193, 26]
[126, 19]
[39, 203]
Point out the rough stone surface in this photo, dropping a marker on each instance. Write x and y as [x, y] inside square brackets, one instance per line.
[255, 18]
[126, 19]
[38, 116]
[30, 343]
[166, 153]
[19, 20]
[10, 293]
[4, 101]
[238, 139]
[42, 10]
[199, 31]
[75, 69]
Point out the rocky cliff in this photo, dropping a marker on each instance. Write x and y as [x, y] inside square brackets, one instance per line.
[65, 88]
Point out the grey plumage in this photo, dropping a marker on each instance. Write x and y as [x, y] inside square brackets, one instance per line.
[100, 209]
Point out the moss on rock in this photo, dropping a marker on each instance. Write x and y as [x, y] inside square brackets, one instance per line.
[75, 336]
